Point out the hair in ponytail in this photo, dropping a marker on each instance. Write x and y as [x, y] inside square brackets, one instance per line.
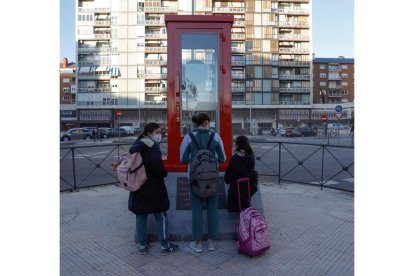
[242, 143]
[200, 119]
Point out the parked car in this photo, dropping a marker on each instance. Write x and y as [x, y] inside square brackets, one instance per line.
[105, 132]
[76, 134]
[138, 130]
[305, 131]
[281, 131]
[292, 132]
[129, 129]
[119, 131]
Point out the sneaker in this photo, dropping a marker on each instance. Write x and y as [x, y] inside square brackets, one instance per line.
[211, 245]
[196, 246]
[170, 249]
[143, 249]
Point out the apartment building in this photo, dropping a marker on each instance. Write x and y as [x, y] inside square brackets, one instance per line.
[67, 93]
[333, 80]
[122, 60]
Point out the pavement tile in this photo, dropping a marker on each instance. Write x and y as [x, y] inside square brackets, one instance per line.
[311, 233]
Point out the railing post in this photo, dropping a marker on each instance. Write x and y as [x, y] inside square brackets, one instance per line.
[74, 169]
[323, 158]
[280, 153]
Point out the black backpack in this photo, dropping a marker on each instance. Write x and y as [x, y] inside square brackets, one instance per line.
[203, 170]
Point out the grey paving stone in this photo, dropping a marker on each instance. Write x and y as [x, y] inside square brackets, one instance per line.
[311, 232]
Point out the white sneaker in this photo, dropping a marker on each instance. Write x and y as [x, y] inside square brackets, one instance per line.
[196, 246]
[211, 245]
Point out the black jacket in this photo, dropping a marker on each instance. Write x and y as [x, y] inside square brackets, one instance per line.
[240, 167]
[152, 197]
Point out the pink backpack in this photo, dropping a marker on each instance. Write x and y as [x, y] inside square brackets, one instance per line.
[252, 231]
[130, 172]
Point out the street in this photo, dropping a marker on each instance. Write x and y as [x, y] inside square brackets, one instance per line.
[300, 160]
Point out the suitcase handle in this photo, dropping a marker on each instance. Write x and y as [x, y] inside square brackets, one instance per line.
[239, 181]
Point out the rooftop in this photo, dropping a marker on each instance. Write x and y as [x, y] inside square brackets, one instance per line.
[333, 60]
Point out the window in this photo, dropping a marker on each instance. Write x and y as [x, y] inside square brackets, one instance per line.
[344, 83]
[249, 46]
[258, 72]
[344, 66]
[322, 76]
[332, 84]
[322, 83]
[66, 90]
[66, 98]
[322, 66]
[66, 80]
[344, 75]
[344, 92]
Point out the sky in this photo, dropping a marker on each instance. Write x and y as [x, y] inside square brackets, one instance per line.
[332, 28]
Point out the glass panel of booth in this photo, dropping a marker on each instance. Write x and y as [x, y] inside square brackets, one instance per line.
[199, 78]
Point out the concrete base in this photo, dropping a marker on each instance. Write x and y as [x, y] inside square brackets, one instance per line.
[180, 221]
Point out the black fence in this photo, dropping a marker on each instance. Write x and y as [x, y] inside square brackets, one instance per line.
[323, 165]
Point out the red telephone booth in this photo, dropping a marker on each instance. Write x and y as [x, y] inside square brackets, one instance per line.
[199, 79]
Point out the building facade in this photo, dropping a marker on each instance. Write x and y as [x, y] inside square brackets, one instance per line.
[122, 60]
[67, 94]
[333, 80]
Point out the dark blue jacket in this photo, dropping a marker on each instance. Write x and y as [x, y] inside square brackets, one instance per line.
[152, 197]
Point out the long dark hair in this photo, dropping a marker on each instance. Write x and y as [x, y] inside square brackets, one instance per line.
[150, 127]
[242, 143]
[200, 118]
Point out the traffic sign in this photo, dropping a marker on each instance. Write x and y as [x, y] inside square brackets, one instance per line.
[118, 113]
[338, 115]
[324, 118]
[338, 109]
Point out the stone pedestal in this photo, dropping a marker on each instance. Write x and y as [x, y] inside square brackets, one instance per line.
[179, 219]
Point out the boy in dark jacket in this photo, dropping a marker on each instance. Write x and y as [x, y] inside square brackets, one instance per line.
[152, 197]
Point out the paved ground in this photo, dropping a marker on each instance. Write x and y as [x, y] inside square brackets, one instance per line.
[311, 232]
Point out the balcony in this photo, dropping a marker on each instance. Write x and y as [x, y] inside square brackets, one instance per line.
[294, 37]
[238, 49]
[172, 9]
[294, 90]
[94, 90]
[294, 77]
[336, 95]
[293, 24]
[155, 62]
[238, 36]
[239, 23]
[152, 76]
[238, 89]
[96, 50]
[334, 77]
[102, 10]
[100, 23]
[155, 36]
[294, 102]
[94, 63]
[238, 102]
[102, 36]
[155, 89]
[89, 76]
[154, 23]
[228, 10]
[294, 63]
[238, 62]
[293, 11]
[155, 49]
[86, 10]
[238, 75]
[156, 103]
[293, 50]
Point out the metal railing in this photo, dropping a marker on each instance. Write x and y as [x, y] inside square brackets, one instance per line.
[322, 165]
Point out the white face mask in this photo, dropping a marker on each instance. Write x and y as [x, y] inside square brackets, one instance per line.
[157, 138]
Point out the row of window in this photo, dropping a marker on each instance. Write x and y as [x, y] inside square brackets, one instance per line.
[333, 67]
[333, 75]
[333, 84]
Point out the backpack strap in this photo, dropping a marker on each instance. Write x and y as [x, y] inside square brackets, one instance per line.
[194, 140]
[210, 140]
